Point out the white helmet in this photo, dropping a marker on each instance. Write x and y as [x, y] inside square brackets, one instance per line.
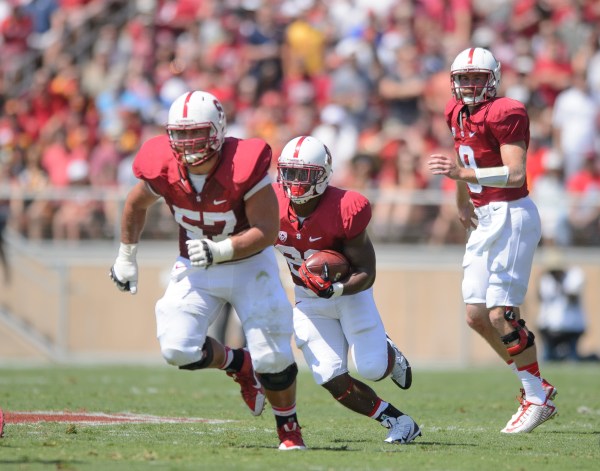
[304, 168]
[196, 127]
[475, 60]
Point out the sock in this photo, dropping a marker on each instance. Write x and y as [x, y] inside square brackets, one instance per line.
[283, 415]
[234, 359]
[384, 410]
[532, 383]
[512, 366]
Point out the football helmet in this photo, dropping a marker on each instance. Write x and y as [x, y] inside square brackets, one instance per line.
[196, 127]
[304, 168]
[475, 60]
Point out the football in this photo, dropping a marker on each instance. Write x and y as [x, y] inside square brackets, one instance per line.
[337, 264]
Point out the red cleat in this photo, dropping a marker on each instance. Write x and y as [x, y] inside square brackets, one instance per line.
[252, 391]
[290, 437]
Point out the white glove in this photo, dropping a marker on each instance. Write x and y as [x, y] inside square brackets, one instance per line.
[205, 252]
[124, 272]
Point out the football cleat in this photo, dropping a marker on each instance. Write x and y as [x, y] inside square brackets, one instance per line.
[403, 429]
[252, 391]
[402, 372]
[529, 416]
[551, 391]
[290, 436]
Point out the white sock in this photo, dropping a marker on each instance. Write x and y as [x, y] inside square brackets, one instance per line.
[534, 392]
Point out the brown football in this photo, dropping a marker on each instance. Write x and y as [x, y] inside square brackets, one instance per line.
[337, 264]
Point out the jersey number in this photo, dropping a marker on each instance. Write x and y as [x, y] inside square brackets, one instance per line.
[293, 257]
[218, 225]
[467, 157]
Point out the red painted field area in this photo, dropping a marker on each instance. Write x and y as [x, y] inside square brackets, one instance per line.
[96, 418]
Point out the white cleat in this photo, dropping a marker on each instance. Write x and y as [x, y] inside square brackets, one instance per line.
[403, 429]
[529, 416]
[402, 372]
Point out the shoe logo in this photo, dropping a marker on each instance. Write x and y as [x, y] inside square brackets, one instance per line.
[471, 134]
[314, 239]
[218, 202]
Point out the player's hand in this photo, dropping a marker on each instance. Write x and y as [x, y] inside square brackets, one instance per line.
[205, 252]
[320, 285]
[467, 216]
[124, 272]
[440, 164]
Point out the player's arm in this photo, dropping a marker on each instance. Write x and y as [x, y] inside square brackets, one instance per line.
[466, 211]
[360, 253]
[262, 211]
[509, 175]
[139, 199]
[514, 157]
[124, 271]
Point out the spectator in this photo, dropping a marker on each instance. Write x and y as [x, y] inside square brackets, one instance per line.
[575, 118]
[78, 217]
[31, 215]
[550, 195]
[584, 187]
[4, 211]
[561, 319]
[338, 131]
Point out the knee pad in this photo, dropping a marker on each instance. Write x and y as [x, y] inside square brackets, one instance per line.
[279, 381]
[521, 334]
[207, 358]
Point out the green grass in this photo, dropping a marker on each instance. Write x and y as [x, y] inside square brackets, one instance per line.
[460, 412]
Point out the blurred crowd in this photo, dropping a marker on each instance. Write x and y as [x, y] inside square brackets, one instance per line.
[84, 82]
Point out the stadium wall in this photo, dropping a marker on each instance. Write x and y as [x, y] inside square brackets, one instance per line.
[62, 307]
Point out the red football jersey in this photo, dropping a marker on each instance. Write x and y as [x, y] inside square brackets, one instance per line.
[339, 216]
[478, 137]
[218, 211]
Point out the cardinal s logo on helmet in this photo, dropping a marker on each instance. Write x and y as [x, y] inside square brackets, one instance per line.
[304, 168]
[196, 127]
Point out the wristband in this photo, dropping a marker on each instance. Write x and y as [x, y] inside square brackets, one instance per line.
[338, 289]
[128, 251]
[493, 176]
[224, 249]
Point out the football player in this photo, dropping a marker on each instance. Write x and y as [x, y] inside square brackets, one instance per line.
[219, 192]
[491, 136]
[333, 317]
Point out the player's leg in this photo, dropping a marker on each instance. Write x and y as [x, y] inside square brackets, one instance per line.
[183, 316]
[511, 259]
[320, 337]
[375, 355]
[262, 305]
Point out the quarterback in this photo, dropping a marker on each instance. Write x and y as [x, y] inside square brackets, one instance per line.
[220, 194]
[491, 137]
[333, 317]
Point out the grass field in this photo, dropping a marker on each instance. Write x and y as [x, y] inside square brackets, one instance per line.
[460, 413]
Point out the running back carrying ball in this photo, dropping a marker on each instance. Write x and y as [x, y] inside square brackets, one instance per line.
[337, 264]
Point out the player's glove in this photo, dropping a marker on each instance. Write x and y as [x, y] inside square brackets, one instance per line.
[124, 272]
[204, 252]
[320, 285]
